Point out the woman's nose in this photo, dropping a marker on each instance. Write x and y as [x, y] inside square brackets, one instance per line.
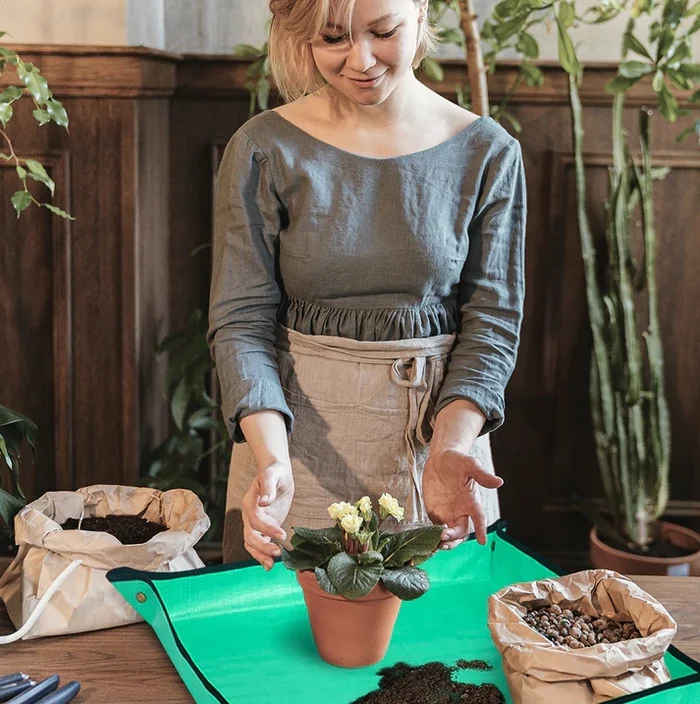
[360, 57]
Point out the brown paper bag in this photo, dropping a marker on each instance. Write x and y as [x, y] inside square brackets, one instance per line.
[86, 601]
[539, 672]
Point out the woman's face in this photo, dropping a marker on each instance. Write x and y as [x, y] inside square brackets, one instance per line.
[384, 39]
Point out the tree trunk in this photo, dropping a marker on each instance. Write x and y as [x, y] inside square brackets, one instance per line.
[475, 60]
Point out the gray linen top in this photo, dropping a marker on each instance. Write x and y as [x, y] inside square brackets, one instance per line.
[328, 242]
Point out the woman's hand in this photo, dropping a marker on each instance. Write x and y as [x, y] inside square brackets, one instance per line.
[266, 505]
[451, 495]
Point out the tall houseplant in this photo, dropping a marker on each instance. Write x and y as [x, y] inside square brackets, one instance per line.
[15, 428]
[628, 403]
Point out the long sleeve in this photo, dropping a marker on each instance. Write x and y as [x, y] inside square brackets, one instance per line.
[245, 295]
[492, 291]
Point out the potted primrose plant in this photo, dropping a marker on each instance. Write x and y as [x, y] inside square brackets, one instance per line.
[354, 576]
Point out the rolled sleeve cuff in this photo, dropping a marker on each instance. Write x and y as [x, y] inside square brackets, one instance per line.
[251, 396]
[490, 403]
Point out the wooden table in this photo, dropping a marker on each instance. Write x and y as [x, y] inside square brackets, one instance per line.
[127, 665]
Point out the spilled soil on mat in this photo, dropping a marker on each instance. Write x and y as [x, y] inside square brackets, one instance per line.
[431, 683]
[128, 530]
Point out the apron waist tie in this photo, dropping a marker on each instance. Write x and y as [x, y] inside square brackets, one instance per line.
[420, 388]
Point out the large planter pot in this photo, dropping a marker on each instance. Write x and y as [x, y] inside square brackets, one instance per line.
[350, 632]
[605, 557]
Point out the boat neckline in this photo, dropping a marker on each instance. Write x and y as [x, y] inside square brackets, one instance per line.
[399, 157]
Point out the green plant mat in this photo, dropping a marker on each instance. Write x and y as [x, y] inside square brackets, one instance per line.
[236, 633]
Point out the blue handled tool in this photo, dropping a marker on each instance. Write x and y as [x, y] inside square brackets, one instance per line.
[33, 695]
[62, 695]
[13, 679]
[10, 691]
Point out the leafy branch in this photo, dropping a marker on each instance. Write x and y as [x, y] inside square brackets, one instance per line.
[46, 109]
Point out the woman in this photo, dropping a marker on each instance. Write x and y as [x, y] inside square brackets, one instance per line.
[367, 286]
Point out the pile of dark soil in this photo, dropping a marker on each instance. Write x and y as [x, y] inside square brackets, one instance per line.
[129, 530]
[431, 684]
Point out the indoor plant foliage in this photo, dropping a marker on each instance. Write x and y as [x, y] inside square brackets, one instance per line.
[629, 409]
[354, 556]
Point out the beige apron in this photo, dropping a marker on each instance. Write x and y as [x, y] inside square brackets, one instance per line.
[363, 419]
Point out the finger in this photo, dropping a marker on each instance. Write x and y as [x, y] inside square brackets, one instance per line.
[459, 530]
[479, 520]
[264, 560]
[260, 521]
[485, 479]
[268, 481]
[261, 543]
[454, 535]
[266, 525]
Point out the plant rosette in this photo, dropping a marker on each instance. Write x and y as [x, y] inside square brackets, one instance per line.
[354, 576]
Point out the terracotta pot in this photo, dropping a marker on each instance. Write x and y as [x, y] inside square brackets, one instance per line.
[605, 557]
[350, 632]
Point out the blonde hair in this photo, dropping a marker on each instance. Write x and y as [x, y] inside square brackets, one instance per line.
[295, 23]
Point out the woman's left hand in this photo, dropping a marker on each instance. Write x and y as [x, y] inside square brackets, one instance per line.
[451, 494]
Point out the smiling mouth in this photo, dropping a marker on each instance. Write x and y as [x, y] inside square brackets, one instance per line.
[365, 80]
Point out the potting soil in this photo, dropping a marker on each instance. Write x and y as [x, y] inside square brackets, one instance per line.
[236, 633]
[128, 530]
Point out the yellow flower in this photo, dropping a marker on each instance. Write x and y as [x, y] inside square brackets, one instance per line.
[365, 507]
[390, 507]
[351, 524]
[339, 510]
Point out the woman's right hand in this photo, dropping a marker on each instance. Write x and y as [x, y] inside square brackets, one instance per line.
[266, 505]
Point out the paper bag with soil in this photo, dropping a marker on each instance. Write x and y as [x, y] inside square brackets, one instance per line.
[540, 671]
[86, 601]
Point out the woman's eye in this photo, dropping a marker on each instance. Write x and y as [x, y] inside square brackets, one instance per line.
[333, 40]
[387, 34]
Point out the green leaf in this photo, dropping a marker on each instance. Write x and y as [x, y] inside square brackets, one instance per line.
[400, 548]
[263, 93]
[57, 112]
[567, 53]
[657, 82]
[318, 536]
[4, 452]
[10, 506]
[370, 557]
[666, 37]
[668, 105]
[619, 84]
[631, 43]
[567, 14]
[679, 80]
[57, 211]
[691, 71]
[41, 116]
[695, 98]
[528, 46]
[533, 75]
[4, 156]
[514, 122]
[246, 50]
[178, 403]
[38, 173]
[21, 428]
[21, 172]
[8, 53]
[324, 581]
[635, 69]
[5, 113]
[10, 94]
[35, 82]
[407, 583]
[300, 560]
[353, 581]
[21, 200]
[432, 69]
[689, 130]
[505, 30]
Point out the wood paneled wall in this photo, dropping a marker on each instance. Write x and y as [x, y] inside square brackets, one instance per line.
[137, 171]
